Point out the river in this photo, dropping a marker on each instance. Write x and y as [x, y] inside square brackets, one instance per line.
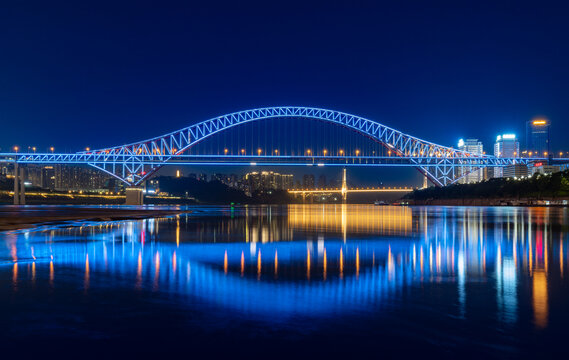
[293, 281]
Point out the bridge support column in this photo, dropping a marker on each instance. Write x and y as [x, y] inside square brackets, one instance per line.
[22, 187]
[134, 196]
[16, 184]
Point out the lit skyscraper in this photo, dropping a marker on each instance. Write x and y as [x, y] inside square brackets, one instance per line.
[472, 146]
[506, 146]
[537, 137]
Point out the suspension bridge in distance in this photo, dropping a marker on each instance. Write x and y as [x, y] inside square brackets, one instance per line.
[277, 136]
[344, 190]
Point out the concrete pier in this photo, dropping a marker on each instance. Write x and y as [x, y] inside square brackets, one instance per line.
[19, 186]
[134, 196]
[16, 184]
[22, 187]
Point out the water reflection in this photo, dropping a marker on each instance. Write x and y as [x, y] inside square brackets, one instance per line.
[314, 260]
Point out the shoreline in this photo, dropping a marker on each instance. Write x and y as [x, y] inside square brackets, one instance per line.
[36, 216]
[490, 202]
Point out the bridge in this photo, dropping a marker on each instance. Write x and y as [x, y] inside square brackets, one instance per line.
[276, 136]
[344, 190]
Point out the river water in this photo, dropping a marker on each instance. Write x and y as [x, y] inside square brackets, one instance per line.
[293, 281]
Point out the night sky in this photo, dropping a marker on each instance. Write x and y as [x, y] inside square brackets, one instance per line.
[81, 73]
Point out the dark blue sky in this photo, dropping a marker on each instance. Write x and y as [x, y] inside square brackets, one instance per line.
[82, 73]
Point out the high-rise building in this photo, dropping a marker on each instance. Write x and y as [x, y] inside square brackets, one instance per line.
[266, 180]
[69, 177]
[308, 181]
[506, 146]
[48, 177]
[322, 181]
[516, 170]
[537, 137]
[472, 146]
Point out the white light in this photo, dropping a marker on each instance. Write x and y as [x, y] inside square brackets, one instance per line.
[499, 138]
[320, 164]
[509, 136]
[460, 143]
[253, 163]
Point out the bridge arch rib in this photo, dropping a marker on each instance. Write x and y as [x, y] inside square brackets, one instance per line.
[133, 167]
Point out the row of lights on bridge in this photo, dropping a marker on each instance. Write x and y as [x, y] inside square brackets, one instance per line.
[276, 151]
[33, 148]
[308, 152]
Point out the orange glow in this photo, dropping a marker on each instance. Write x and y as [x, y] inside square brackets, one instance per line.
[259, 265]
[325, 268]
[242, 263]
[561, 258]
[357, 262]
[539, 299]
[276, 263]
[178, 232]
[539, 122]
[157, 271]
[225, 263]
[139, 271]
[308, 264]
[51, 273]
[357, 219]
[86, 286]
[341, 264]
[15, 275]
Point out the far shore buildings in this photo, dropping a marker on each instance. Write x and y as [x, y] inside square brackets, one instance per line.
[472, 146]
[66, 177]
[506, 146]
[266, 180]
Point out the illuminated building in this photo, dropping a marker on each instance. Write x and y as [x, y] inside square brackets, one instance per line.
[542, 168]
[266, 180]
[475, 147]
[537, 137]
[506, 146]
[78, 178]
[516, 170]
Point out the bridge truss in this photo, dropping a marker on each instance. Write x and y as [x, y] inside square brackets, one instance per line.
[135, 162]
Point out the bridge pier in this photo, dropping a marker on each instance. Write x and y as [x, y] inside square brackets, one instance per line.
[134, 196]
[19, 186]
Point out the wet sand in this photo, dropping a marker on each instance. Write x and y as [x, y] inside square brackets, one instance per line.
[13, 217]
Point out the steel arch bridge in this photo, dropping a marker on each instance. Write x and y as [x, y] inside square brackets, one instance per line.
[135, 162]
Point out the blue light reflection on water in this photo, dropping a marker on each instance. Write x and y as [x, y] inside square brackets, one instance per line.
[314, 261]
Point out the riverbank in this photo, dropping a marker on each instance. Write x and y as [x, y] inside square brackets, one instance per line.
[537, 190]
[490, 202]
[14, 218]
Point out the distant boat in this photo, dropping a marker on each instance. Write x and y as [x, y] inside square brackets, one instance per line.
[380, 202]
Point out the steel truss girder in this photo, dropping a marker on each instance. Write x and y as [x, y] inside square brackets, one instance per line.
[132, 163]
